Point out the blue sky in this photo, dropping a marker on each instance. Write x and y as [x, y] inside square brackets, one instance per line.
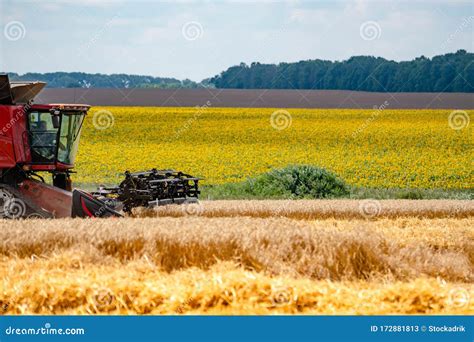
[199, 39]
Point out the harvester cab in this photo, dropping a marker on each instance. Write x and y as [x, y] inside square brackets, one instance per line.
[44, 138]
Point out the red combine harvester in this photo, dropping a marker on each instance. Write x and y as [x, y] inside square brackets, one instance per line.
[43, 138]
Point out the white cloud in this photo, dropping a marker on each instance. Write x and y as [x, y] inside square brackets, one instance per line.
[146, 36]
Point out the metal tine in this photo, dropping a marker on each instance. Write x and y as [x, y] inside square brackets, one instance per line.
[170, 180]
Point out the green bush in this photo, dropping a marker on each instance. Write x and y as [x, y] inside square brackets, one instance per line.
[297, 181]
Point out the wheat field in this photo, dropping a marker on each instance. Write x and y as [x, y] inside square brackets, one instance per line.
[231, 257]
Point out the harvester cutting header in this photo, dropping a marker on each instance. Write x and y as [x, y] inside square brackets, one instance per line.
[36, 139]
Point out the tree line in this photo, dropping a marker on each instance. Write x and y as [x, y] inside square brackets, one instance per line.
[452, 72]
[85, 80]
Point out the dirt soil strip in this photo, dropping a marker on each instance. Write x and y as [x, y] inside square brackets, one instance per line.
[259, 98]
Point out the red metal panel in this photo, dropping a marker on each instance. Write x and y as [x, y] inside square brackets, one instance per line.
[5, 114]
[43, 167]
[18, 117]
[52, 199]
[7, 156]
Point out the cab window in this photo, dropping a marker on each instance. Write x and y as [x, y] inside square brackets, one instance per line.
[43, 137]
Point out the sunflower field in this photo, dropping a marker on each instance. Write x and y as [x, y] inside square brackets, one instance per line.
[372, 148]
